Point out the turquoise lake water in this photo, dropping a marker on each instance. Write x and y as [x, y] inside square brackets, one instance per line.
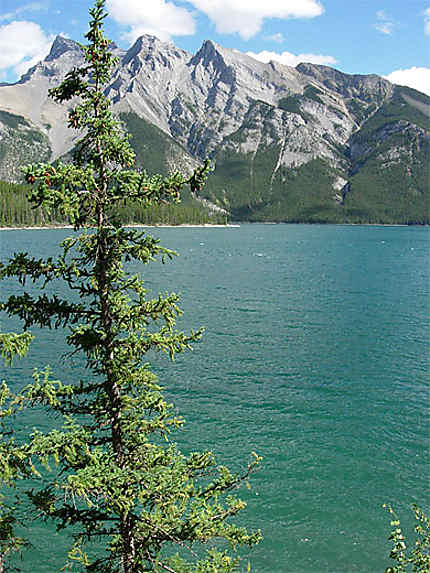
[316, 356]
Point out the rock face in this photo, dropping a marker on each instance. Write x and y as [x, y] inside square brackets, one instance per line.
[288, 143]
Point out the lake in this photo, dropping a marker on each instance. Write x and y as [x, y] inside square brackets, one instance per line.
[316, 356]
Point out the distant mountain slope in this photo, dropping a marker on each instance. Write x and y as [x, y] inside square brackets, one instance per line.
[290, 144]
[20, 142]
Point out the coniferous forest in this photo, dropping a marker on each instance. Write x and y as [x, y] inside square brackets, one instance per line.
[17, 211]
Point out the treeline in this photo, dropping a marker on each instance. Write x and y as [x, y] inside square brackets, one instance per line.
[16, 211]
[399, 195]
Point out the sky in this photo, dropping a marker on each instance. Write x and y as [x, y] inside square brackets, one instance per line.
[390, 38]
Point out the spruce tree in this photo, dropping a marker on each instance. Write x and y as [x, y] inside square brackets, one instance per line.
[119, 480]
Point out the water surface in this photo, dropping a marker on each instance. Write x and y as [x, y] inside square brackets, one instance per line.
[316, 356]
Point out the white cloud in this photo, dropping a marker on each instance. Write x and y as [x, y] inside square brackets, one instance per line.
[385, 28]
[31, 7]
[427, 22]
[245, 17]
[164, 19]
[156, 17]
[417, 78]
[385, 23]
[289, 59]
[278, 38]
[22, 45]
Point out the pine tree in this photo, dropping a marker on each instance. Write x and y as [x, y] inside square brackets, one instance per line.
[12, 459]
[119, 478]
[416, 558]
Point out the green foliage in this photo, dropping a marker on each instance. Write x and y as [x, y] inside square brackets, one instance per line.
[390, 167]
[108, 472]
[11, 120]
[359, 109]
[290, 104]
[399, 194]
[388, 176]
[10, 542]
[12, 458]
[297, 198]
[16, 210]
[312, 92]
[416, 560]
[151, 146]
[388, 179]
[12, 344]
[299, 195]
[396, 109]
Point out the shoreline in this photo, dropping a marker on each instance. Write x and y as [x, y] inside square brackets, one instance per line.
[133, 226]
[214, 225]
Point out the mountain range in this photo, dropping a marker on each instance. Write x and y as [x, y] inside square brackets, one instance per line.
[308, 143]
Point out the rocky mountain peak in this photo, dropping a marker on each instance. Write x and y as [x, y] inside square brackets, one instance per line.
[347, 85]
[143, 44]
[269, 127]
[64, 54]
[150, 46]
[60, 46]
[209, 56]
[152, 50]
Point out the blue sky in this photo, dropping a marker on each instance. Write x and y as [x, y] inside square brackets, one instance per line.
[390, 38]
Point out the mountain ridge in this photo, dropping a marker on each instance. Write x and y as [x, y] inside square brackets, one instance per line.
[264, 125]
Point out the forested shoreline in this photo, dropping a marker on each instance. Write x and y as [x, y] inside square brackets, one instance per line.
[17, 211]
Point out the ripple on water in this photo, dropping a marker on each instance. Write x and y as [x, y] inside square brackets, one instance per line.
[315, 356]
